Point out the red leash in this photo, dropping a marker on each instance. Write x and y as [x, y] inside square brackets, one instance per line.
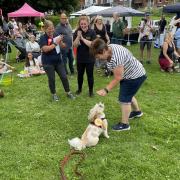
[67, 158]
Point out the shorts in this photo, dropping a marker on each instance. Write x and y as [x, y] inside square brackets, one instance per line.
[128, 88]
[144, 40]
[164, 63]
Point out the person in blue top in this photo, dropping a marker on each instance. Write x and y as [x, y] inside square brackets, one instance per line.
[177, 37]
[52, 60]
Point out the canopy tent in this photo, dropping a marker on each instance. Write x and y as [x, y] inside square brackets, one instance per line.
[26, 11]
[175, 8]
[89, 10]
[121, 10]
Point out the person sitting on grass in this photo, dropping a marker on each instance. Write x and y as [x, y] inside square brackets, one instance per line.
[5, 68]
[31, 67]
[166, 57]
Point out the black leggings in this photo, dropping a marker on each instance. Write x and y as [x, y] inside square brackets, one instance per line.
[89, 67]
[50, 71]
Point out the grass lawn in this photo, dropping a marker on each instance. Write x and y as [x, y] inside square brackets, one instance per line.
[34, 130]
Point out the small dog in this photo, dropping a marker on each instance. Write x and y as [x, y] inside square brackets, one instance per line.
[98, 125]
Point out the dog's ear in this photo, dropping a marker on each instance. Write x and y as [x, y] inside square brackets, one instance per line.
[93, 113]
[101, 105]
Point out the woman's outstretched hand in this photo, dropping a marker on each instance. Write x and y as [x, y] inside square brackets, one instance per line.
[101, 92]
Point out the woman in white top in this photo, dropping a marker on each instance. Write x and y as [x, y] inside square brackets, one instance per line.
[33, 46]
[31, 67]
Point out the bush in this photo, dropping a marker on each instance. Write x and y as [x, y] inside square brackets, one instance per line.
[54, 19]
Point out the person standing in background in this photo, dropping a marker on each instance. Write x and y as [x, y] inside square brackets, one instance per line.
[117, 30]
[100, 29]
[177, 37]
[101, 33]
[64, 28]
[125, 22]
[108, 28]
[85, 61]
[146, 37]
[162, 24]
[161, 33]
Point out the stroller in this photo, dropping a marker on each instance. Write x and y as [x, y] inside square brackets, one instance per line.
[20, 44]
[6, 71]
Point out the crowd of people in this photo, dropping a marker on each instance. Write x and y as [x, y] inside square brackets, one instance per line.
[95, 43]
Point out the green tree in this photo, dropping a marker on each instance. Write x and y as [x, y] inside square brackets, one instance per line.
[40, 5]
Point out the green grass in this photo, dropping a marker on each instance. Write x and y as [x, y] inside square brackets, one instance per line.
[34, 130]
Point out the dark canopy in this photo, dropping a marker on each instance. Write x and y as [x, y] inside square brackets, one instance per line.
[175, 8]
[121, 10]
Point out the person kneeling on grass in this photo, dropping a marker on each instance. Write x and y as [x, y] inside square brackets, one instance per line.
[166, 57]
[31, 67]
[128, 71]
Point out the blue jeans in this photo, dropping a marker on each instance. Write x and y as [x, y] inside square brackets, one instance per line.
[68, 54]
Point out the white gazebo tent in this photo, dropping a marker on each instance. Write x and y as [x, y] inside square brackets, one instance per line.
[89, 10]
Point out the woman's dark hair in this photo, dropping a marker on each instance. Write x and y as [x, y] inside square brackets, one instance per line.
[98, 46]
[145, 21]
[27, 64]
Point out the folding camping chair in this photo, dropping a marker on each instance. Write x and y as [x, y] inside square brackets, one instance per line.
[6, 78]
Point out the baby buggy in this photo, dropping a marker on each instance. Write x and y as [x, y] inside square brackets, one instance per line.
[20, 44]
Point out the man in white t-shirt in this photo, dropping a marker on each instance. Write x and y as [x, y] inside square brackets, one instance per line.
[128, 71]
[146, 37]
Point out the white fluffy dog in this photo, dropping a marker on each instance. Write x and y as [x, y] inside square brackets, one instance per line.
[98, 125]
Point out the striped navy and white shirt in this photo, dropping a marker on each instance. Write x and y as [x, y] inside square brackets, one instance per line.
[123, 57]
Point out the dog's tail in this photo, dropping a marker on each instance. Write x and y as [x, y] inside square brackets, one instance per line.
[76, 143]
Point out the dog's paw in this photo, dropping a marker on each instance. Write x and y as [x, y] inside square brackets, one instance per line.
[107, 136]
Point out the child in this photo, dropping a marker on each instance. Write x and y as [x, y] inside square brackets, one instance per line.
[5, 68]
[31, 67]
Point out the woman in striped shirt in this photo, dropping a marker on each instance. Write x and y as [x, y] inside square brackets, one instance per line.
[128, 71]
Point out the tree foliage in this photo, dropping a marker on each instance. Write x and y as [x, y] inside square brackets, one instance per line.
[40, 5]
